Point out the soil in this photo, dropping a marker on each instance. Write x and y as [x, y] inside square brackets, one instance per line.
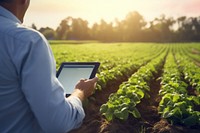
[94, 122]
[197, 63]
[192, 91]
[195, 51]
[150, 122]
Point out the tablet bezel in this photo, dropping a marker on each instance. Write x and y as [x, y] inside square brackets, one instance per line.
[94, 71]
[92, 75]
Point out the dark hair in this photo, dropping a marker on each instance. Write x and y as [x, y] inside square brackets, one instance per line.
[5, 1]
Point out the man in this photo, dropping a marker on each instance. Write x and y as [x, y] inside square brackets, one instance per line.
[31, 98]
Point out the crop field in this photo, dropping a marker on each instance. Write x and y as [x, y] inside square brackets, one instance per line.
[142, 87]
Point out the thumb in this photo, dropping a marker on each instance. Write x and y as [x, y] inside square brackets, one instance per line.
[94, 80]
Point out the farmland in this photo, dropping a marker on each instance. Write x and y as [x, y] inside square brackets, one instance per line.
[142, 87]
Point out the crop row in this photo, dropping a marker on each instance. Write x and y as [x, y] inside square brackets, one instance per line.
[191, 72]
[116, 60]
[176, 105]
[124, 101]
[123, 70]
[192, 53]
[110, 55]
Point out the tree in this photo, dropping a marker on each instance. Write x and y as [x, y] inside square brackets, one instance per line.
[133, 25]
[49, 33]
[189, 29]
[162, 28]
[34, 26]
[78, 29]
[73, 29]
[62, 30]
[133, 28]
[103, 31]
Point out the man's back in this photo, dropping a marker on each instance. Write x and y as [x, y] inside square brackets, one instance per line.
[32, 100]
[15, 113]
[31, 97]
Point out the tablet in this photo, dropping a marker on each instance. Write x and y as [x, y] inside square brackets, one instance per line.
[70, 73]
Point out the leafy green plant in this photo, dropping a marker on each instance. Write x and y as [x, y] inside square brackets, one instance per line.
[176, 105]
[179, 109]
[130, 93]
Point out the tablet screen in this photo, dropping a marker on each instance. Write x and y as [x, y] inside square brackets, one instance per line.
[70, 73]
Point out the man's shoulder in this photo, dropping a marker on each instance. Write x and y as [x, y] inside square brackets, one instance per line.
[19, 32]
[24, 33]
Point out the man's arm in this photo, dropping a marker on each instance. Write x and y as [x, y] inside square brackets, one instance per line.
[44, 93]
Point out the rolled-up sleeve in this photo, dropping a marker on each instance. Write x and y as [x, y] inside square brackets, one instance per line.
[35, 65]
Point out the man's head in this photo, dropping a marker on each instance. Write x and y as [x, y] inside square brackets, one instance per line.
[17, 7]
[5, 1]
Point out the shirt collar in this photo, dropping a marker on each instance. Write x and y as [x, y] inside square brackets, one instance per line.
[7, 14]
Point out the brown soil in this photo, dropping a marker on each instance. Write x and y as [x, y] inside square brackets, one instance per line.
[197, 63]
[195, 51]
[192, 91]
[94, 121]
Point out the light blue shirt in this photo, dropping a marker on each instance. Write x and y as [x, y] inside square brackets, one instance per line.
[31, 98]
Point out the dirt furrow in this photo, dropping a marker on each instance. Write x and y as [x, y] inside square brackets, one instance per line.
[93, 122]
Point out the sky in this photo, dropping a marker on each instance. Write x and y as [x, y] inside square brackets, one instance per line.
[49, 13]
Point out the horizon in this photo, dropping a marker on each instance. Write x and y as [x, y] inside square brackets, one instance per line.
[50, 13]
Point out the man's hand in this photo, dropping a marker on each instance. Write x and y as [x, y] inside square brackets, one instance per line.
[85, 88]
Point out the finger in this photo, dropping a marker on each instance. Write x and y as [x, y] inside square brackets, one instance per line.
[83, 80]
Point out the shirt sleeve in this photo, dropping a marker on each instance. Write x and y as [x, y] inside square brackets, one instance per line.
[37, 73]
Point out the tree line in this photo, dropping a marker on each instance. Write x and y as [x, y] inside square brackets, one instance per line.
[131, 29]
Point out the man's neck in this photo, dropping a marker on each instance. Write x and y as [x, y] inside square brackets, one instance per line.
[13, 9]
